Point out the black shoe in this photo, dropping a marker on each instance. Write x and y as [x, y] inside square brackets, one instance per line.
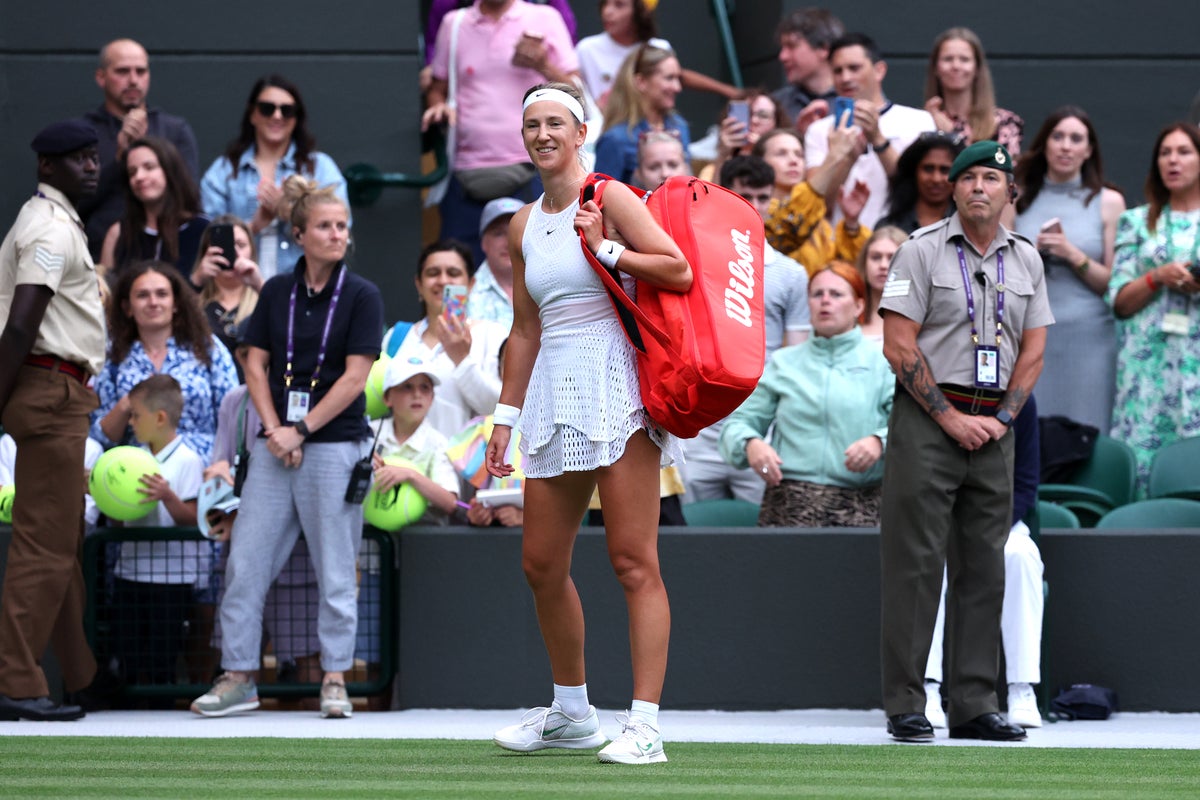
[39, 709]
[100, 695]
[910, 727]
[992, 727]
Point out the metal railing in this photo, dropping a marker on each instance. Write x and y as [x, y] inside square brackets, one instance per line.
[106, 622]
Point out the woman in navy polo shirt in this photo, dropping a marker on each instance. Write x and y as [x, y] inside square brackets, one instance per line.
[313, 338]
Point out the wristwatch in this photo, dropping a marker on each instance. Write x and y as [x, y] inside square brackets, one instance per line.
[1004, 417]
[302, 429]
[879, 148]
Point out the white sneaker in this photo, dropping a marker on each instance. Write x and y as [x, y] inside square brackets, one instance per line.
[933, 704]
[639, 743]
[543, 727]
[1022, 706]
[335, 703]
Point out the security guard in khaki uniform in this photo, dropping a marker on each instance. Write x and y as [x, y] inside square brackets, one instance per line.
[965, 316]
[53, 340]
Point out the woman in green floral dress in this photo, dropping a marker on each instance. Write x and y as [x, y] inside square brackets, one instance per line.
[1153, 291]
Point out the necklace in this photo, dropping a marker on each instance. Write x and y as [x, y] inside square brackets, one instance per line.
[554, 206]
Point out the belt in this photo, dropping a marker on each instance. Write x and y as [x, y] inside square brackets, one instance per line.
[55, 364]
[981, 402]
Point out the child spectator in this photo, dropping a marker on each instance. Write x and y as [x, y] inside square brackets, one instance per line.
[408, 391]
[155, 581]
[660, 156]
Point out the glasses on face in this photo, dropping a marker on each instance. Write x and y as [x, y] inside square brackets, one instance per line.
[286, 110]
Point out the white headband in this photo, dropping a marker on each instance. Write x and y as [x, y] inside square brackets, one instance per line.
[557, 96]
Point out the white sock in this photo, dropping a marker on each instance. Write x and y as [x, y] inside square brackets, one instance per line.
[572, 700]
[641, 711]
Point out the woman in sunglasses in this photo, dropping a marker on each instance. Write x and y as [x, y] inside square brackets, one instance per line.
[272, 145]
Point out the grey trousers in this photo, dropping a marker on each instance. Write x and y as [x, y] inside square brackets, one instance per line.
[276, 503]
[942, 505]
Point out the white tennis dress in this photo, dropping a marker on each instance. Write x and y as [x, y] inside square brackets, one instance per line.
[583, 401]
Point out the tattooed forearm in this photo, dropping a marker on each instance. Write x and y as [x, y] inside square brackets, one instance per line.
[1014, 399]
[918, 382]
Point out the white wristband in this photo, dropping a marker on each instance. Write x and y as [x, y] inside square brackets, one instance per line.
[609, 252]
[506, 415]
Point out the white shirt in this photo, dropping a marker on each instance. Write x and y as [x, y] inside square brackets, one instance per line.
[169, 562]
[600, 57]
[900, 124]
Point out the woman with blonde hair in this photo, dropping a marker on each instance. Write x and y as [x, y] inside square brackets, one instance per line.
[310, 343]
[873, 263]
[960, 95]
[826, 403]
[571, 383]
[642, 100]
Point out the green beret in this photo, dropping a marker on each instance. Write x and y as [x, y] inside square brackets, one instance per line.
[988, 153]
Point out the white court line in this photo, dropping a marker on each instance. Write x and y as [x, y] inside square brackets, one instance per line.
[814, 726]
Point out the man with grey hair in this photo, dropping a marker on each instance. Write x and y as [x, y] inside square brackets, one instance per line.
[123, 74]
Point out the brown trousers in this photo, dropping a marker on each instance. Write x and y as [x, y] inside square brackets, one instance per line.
[942, 505]
[43, 597]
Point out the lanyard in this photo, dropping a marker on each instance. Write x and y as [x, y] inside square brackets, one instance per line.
[291, 343]
[962, 265]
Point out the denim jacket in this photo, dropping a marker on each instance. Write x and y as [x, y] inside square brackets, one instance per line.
[223, 193]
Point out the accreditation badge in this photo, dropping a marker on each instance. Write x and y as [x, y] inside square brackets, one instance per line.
[297, 404]
[987, 367]
[1175, 321]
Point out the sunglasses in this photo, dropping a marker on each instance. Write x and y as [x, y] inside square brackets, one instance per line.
[286, 110]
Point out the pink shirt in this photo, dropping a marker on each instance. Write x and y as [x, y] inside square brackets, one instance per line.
[490, 88]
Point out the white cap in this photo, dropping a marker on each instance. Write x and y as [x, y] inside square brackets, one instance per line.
[400, 369]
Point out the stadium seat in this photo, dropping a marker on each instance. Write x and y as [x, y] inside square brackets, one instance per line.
[1105, 482]
[1173, 471]
[721, 513]
[1158, 512]
[1052, 515]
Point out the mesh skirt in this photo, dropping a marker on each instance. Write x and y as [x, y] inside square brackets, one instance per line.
[583, 403]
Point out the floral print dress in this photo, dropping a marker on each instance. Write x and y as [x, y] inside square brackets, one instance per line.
[1158, 373]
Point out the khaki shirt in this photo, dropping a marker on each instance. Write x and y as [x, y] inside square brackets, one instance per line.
[925, 284]
[46, 246]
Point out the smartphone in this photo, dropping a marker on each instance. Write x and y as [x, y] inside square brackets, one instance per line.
[843, 107]
[1052, 225]
[454, 301]
[740, 110]
[221, 235]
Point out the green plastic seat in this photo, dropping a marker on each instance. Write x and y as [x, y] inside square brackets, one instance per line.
[1173, 472]
[721, 513]
[1052, 515]
[1157, 512]
[1105, 482]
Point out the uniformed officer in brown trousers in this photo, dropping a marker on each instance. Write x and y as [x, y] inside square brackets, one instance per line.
[965, 316]
[52, 342]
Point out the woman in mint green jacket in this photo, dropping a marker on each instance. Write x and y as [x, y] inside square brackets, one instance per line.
[829, 400]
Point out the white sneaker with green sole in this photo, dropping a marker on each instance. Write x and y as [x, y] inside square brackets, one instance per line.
[543, 728]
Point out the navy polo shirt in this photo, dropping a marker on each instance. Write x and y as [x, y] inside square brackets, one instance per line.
[357, 329]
